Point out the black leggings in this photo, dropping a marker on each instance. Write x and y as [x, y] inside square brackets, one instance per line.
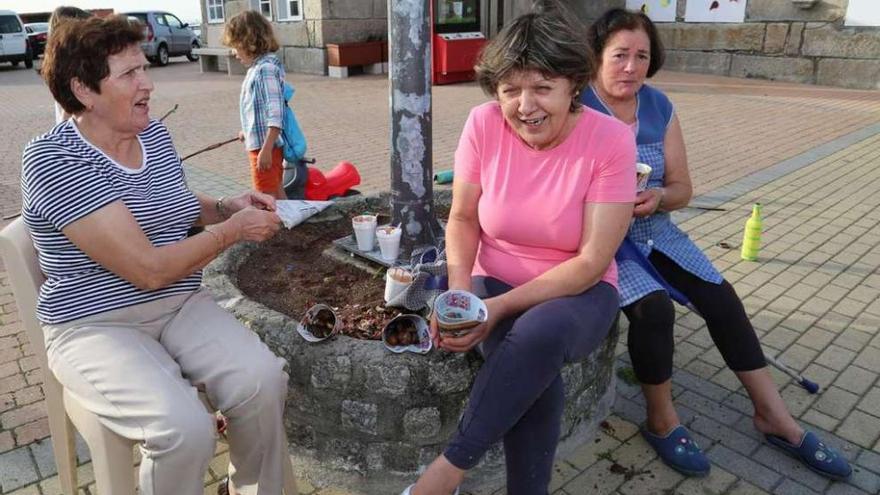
[651, 321]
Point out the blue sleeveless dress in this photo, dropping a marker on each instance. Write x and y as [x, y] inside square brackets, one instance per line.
[653, 114]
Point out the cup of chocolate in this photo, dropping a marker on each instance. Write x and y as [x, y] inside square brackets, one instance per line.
[396, 281]
[319, 323]
[407, 333]
[364, 231]
[643, 173]
[458, 311]
[389, 241]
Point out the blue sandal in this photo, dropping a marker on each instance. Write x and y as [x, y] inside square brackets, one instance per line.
[815, 455]
[679, 451]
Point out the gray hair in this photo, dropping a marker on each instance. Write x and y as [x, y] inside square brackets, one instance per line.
[548, 41]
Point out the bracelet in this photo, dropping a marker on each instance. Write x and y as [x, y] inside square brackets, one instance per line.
[221, 208]
[217, 239]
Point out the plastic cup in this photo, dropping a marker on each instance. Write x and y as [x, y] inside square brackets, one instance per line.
[643, 173]
[396, 281]
[389, 242]
[364, 231]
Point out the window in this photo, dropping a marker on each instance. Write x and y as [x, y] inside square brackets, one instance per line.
[290, 10]
[9, 24]
[215, 11]
[173, 22]
[263, 6]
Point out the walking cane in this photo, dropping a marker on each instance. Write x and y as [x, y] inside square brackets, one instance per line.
[629, 251]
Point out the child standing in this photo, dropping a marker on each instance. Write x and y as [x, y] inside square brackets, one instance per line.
[250, 35]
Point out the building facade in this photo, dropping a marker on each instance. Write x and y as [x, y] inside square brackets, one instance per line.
[802, 41]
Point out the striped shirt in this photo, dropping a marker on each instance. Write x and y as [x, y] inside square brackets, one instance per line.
[261, 103]
[63, 179]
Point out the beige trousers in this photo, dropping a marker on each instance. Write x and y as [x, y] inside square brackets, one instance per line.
[137, 368]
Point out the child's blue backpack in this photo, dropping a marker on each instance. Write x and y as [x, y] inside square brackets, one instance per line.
[294, 140]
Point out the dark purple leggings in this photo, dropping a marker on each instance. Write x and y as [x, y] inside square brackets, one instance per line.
[518, 394]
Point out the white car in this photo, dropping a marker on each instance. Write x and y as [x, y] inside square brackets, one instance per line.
[14, 46]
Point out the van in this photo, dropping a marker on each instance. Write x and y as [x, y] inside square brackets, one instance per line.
[14, 46]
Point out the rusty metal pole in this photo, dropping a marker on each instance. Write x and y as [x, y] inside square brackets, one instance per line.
[412, 194]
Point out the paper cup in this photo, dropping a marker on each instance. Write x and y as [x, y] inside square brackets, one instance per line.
[396, 281]
[643, 173]
[389, 241]
[407, 333]
[364, 231]
[458, 311]
[319, 323]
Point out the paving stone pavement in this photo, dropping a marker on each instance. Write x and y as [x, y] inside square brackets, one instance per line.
[808, 154]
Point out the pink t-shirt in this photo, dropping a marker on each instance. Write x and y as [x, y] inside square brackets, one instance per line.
[532, 205]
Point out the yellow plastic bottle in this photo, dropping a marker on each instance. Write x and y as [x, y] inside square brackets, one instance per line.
[752, 235]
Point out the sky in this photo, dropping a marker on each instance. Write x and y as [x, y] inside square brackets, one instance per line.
[186, 10]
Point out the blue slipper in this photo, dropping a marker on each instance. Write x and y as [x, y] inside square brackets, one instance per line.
[815, 455]
[679, 451]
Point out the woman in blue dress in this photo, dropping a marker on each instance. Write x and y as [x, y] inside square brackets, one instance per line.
[628, 50]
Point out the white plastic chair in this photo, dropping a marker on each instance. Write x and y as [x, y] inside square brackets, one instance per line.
[111, 453]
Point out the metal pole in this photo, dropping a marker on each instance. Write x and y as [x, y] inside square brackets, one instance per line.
[412, 196]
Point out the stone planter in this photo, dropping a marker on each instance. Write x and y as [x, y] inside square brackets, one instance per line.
[354, 54]
[368, 420]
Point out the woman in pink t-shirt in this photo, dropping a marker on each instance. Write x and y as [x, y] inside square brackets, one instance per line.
[543, 195]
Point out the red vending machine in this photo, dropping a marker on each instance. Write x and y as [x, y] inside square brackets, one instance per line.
[456, 39]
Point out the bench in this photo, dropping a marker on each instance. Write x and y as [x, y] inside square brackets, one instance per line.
[209, 60]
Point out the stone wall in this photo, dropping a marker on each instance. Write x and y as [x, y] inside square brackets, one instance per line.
[777, 41]
[363, 418]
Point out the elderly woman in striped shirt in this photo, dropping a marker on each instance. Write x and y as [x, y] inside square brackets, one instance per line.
[128, 329]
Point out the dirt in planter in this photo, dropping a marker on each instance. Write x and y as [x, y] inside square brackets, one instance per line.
[289, 274]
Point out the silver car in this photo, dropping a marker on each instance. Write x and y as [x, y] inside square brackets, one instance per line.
[166, 36]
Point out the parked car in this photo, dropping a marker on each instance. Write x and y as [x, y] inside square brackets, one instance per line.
[14, 46]
[37, 33]
[166, 36]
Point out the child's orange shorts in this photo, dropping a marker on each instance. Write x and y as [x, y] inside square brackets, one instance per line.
[267, 181]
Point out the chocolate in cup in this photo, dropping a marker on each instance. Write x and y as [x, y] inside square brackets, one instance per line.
[396, 281]
[458, 312]
[643, 172]
[407, 333]
[319, 323]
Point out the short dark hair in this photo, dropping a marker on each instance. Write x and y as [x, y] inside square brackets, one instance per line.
[80, 49]
[548, 41]
[614, 20]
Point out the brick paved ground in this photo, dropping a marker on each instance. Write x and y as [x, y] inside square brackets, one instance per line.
[809, 154]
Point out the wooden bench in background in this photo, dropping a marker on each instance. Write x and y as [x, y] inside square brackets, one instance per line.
[209, 60]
